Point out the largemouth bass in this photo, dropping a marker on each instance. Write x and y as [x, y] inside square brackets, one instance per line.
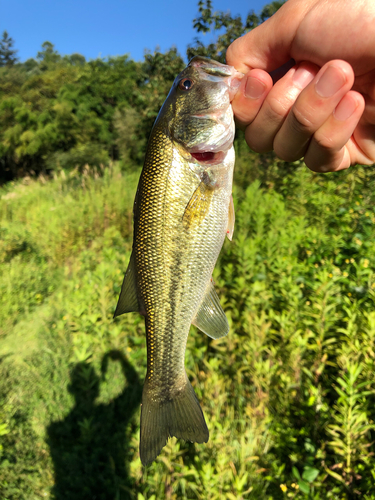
[182, 211]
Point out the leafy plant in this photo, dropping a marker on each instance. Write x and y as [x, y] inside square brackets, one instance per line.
[351, 431]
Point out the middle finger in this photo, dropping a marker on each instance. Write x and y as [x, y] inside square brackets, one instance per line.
[261, 133]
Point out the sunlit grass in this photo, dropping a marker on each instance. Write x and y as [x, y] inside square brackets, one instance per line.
[297, 283]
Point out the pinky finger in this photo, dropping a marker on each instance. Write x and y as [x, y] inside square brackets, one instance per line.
[328, 151]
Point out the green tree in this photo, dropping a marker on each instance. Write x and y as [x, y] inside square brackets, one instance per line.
[7, 54]
[158, 73]
[226, 26]
[76, 59]
[48, 55]
[31, 65]
[61, 111]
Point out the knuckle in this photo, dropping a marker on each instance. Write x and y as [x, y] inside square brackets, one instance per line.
[300, 121]
[280, 103]
[290, 147]
[323, 162]
[288, 156]
[259, 148]
[278, 109]
[317, 167]
[244, 112]
[317, 162]
[258, 138]
[325, 142]
[263, 146]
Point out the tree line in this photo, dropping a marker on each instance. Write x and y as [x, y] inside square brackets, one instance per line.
[63, 111]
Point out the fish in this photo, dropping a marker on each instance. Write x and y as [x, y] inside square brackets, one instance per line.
[183, 210]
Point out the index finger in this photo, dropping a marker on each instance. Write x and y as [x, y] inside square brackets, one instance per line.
[268, 46]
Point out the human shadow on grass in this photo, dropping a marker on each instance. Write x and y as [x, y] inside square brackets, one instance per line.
[90, 448]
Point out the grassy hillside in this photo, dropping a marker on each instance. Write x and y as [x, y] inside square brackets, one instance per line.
[288, 395]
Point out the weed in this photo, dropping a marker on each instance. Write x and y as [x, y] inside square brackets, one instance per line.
[288, 395]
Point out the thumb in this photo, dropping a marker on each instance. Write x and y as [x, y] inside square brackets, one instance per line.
[269, 45]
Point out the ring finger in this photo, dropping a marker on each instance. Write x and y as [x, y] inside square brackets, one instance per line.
[312, 109]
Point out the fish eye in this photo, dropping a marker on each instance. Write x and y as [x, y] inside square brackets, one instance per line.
[186, 84]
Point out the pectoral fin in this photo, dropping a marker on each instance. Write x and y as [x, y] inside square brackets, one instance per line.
[210, 317]
[128, 300]
[231, 219]
[198, 206]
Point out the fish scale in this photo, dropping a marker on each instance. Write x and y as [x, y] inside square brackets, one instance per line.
[166, 187]
[181, 215]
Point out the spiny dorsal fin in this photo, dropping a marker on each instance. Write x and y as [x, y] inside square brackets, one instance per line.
[210, 317]
[231, 219]
[128, 300]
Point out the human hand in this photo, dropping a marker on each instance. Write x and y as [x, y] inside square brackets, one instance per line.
[322, 109]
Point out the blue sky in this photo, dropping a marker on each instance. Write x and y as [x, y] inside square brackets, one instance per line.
[98, 28]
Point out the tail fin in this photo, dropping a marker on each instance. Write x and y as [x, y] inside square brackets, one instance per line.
[181, 417]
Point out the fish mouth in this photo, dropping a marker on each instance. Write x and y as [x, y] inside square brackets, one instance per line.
[229, 74]
[209, 157]
[214, 150]
[211, 66]
[213, 153]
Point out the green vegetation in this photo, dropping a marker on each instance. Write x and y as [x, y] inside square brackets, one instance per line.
[63, 112]
[288, 395]
[7, 54]
[58, 112]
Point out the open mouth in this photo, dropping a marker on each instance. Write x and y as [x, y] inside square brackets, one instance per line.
[206, 156]
[209, 157]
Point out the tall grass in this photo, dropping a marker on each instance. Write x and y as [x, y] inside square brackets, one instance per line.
[288, 395]
[45, 224]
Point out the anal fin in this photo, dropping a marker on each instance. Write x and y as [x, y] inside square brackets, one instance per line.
[210, 318]
[128, 300]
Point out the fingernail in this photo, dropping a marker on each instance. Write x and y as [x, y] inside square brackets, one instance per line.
[302, 77]
[345, 109]
[254, 88]
[330, 82]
